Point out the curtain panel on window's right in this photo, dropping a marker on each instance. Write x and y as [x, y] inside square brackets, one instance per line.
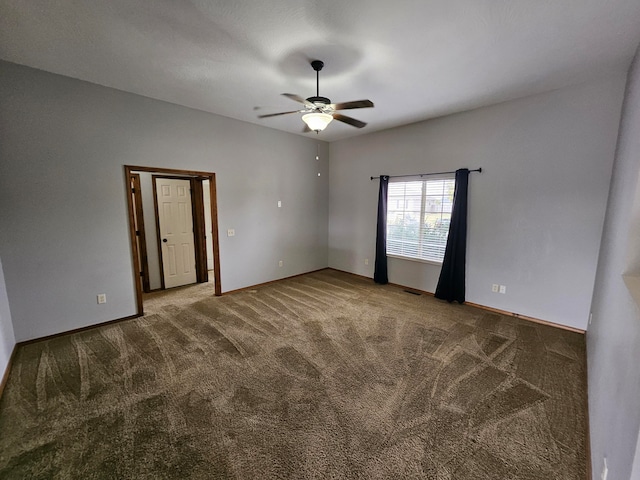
[451, 284]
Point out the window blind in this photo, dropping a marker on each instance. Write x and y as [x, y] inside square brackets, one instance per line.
[418, 218]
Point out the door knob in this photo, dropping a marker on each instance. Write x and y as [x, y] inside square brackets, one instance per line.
[164, 240]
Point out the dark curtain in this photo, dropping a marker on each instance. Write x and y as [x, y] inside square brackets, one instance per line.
[380, 271]
[451, 282]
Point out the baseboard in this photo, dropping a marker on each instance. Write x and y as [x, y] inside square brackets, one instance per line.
[78, 330]
[131, 317]
[273, 281]
[5, 376]
[477, 305]
[529, 319]
[588, 426]
[354, 274]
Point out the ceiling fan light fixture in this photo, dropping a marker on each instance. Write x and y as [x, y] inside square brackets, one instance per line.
[317, 121]
[319, 111]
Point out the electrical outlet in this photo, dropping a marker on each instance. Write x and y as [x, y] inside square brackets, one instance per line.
[279, 203]
[231, 232]
[366, 261]
[590, 317]
[495, 287]
[503, 289]
[605, 470]
[280, 263]
[102, 298]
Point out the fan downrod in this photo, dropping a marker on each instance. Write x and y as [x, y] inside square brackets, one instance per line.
[317, 66]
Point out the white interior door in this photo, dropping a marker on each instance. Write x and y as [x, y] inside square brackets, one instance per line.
[176, 231]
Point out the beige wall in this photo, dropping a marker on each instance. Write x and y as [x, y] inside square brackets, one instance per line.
[535, 212]
[63, 222]
[613, 339]
[7, 338]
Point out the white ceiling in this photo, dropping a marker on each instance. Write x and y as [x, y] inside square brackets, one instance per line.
[415, 59]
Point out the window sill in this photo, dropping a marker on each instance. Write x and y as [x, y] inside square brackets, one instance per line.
[419, 260]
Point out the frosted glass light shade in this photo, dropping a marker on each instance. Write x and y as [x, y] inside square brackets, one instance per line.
[317, 121]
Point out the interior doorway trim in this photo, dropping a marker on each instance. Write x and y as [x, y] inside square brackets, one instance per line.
[141, 241]
[129, 169]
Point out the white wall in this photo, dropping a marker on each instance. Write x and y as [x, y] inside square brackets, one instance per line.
[63, 222]
[7, 338]
[535, 213]
[635, 473]
[613, 339]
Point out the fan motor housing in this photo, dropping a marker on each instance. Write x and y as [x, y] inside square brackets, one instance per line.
[315, 100]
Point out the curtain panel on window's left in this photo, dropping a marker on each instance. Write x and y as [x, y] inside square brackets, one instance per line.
[380, 271]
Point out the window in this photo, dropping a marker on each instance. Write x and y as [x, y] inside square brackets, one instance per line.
[418, 217]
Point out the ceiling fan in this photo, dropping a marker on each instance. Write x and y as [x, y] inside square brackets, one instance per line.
[319, 111]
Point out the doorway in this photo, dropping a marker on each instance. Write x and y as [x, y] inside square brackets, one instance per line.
[202, 221]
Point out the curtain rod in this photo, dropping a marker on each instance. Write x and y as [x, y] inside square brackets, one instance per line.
[425, 174]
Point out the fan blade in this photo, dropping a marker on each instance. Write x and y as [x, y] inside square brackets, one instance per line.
[265, 107]
[354, 104]
[349, 120]
[298, 98]
[276, 114]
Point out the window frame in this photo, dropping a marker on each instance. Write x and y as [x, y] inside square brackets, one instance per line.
[422, 213]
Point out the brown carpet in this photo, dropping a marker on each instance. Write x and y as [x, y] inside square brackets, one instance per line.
[321, 376]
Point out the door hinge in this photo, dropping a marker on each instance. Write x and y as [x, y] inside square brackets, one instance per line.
[133, 190]
[142, 274]
[137, 233]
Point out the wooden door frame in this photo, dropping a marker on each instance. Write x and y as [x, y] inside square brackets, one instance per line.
[195, 175]
[141, 242]
[199, 229]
